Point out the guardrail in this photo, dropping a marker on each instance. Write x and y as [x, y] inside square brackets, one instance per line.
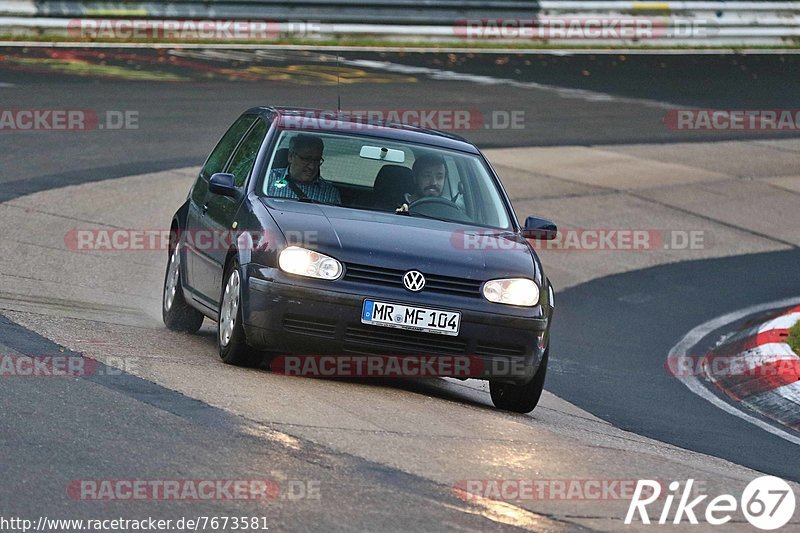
[552, 22]
[419, 12]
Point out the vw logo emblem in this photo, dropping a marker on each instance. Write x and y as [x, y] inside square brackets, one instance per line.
[414, 280]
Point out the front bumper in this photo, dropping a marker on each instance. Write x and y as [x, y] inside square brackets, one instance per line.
[291, 315]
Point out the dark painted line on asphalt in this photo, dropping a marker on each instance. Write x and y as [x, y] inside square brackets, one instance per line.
[14, 189]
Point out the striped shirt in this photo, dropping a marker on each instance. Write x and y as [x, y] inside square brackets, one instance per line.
[319, 189]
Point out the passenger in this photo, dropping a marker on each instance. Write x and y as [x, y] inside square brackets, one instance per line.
[301, 178]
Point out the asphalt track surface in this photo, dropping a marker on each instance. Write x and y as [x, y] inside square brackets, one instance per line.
[613, 332]
[121, 427]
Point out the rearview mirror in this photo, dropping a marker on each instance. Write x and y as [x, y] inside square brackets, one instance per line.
[539, 228]
[381, 153]
[221, 183]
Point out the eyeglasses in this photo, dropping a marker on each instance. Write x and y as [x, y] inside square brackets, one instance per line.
[309, 160]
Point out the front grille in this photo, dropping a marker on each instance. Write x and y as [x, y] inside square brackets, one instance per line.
[495, 349]
[307, 326]
[390, 277]
[390, 341]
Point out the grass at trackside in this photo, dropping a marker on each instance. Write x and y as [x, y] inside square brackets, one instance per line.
[385, 43]
[794, 338]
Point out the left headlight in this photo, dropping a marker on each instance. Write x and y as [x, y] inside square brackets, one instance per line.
[512, 291]
[296, 260]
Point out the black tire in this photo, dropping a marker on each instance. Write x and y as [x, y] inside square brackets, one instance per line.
[520, 398]
[177, 314]
[231, 340]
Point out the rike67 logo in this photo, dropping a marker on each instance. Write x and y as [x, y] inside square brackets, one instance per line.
[767, 503]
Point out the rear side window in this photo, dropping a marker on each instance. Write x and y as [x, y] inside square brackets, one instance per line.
[222, 152]
[245, 157]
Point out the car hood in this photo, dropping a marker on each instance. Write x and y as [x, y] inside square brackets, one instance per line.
[404, 243]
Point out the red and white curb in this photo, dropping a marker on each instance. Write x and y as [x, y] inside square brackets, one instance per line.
[761, 370]
[754, 368]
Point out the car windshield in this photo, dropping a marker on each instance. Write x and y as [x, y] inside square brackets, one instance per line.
[385, 175]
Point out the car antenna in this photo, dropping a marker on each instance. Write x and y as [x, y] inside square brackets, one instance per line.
[338, 93]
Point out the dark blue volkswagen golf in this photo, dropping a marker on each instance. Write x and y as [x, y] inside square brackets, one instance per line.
[312, 233]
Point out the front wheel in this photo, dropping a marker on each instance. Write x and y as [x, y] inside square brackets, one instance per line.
[520, 398]
[177, 314]
[231, 341]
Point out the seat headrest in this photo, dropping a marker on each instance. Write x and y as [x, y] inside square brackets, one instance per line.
[281, 159]
[391, 184]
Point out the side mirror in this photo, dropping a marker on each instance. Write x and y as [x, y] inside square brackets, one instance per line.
[539, 228]
[222, 184]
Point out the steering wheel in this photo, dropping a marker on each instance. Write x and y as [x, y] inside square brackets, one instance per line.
[432, 200]
[439, 207]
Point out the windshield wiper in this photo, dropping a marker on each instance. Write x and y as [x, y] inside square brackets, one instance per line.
[306, 200]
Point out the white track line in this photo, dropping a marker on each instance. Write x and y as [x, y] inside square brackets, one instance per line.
[694, 385]
[411, 49]
[782, 322]
[449, 75]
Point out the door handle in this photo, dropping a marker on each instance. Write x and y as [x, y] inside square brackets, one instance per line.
[205, 208]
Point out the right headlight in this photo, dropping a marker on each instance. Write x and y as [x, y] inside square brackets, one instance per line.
[302, 262]
[512, 291]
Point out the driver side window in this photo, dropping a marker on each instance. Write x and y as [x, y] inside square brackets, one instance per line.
[222, 152]
[245, 157]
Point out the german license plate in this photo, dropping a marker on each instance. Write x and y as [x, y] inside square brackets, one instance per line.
[400, 316]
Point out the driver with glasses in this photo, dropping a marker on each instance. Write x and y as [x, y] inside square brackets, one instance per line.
[301, 179]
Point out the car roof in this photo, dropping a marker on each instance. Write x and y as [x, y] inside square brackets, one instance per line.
[333, 122]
